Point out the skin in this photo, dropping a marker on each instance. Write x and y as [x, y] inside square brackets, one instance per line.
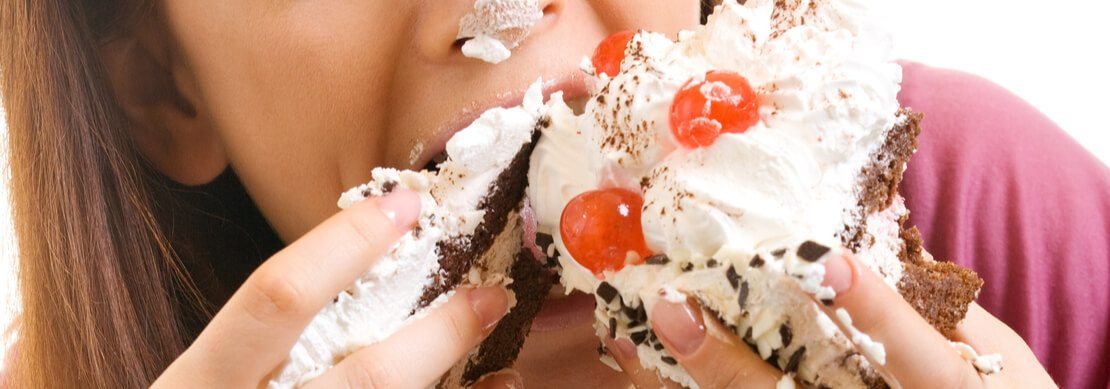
[319, 92]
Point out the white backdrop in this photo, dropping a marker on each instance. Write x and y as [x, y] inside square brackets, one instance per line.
[1053, 54]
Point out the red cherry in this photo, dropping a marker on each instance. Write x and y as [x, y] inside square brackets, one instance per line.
[610, 52]
[601, 227]
[723, 103]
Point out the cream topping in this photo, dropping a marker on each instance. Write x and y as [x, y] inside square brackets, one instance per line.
[496, 26]
[382, 300]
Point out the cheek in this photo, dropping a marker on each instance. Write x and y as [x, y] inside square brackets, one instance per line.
[294, 94]
[665, 16]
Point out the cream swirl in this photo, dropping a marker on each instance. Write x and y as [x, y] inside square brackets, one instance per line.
[828, 87]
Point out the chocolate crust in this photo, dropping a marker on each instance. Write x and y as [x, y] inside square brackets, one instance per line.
[531, 283]
[939, 291]
[456, 257]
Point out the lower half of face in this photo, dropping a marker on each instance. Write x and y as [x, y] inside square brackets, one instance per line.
[307, 97]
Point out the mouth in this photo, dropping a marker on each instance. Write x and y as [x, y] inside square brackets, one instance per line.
[562, 311]
[434, 152]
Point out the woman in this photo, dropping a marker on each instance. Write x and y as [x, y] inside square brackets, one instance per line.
[163, 150]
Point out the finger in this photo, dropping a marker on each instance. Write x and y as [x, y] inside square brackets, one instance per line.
[988, 335]
[624, 353]
[254, 331]
[504, 379]
[718, 360]
[420, 353]
[906, 348]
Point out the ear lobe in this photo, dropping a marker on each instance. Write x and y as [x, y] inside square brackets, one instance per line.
[168, 124]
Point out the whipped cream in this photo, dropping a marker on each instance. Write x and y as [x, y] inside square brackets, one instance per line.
[828, 86]
[386, 297]
[495, 27]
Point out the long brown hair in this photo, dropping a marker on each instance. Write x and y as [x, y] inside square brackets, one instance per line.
[97, 274]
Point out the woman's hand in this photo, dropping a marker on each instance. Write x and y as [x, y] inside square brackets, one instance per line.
[917, 356]
[253, 333]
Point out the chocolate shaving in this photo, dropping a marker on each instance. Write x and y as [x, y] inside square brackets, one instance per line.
[388, 187]
[687, 267]
[779, 253]
[607, 292]
[658, 259]
[712, 263]
[811, 251]
[733, 277]
[638, 337]
[743, 294]
[668, 360]
[757, 262]
[786, 333]
[612, 328]
[795, 360]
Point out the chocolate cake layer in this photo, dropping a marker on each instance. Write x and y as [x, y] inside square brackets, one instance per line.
[531, 283]
[456, 257]
[939, 291]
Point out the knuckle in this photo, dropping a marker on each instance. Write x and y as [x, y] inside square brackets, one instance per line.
[274, 296]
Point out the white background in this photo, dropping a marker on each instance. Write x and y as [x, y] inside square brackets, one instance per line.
[1052, 53]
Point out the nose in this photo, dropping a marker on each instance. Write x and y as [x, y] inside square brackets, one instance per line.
[437, 25]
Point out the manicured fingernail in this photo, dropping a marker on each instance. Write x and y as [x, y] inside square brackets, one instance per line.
[840, 274]
[622, 349]
[402, 207]
[489, 304]
[680, 326]
[504, 379]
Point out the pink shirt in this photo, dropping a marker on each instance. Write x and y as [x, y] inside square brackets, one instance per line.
[996, 186]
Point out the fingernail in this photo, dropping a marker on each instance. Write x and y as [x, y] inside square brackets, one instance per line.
[402, 207]
[622, 349]
[680, 325]
[507, 379]
[840, 274]
[489, 304]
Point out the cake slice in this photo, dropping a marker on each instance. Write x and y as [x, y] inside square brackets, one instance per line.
[746, 153]
[469, 233]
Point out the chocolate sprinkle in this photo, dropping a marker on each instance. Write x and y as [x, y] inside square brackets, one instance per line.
[658, 346]
[786, 333]
[388, 187]
[668, 360]
[774, 359]
[795, 360]
[827, 302]
[756, 262]
[733, 277]
[743, 294]
[748, 333]
[811, 251]
[638, 337]
[607, 292]
[612, 328]
[779, 253]
[687, 267]
[635, 314]
[658, 259]
[712, 263]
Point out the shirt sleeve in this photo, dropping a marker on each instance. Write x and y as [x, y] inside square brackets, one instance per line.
[998, 187]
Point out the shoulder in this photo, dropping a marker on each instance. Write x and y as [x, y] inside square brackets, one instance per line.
[1000, 188]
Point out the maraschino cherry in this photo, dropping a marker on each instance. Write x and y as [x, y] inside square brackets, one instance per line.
[601, 228]
[722, 103]
[610, 52]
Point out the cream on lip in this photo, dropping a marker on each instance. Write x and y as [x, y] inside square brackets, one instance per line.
[573, 86]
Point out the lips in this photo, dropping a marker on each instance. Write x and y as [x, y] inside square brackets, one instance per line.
[573, 86]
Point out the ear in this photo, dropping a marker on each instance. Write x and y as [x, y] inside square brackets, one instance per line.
[159, 96]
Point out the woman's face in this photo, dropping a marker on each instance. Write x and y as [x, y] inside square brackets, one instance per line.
[305, 97]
